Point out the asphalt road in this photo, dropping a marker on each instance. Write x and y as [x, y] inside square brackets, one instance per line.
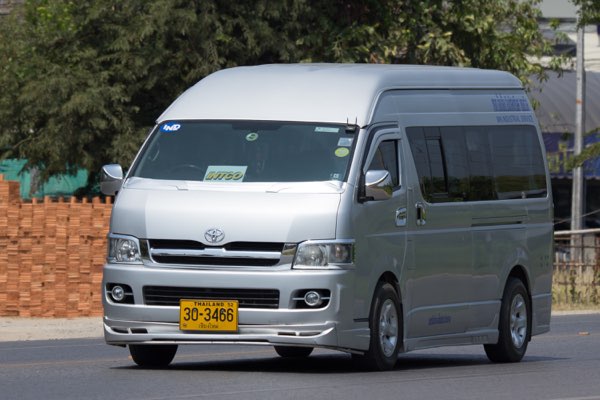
[563, 364]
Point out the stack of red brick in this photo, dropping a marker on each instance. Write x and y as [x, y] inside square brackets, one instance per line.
[51, 255]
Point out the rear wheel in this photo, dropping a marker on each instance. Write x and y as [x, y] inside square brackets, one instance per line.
[515, 322]
[293, 352]
[152, 356]
[385, 322]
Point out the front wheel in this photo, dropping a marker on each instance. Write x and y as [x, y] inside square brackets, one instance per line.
[515, 322]
[152, 356]
[385, 322]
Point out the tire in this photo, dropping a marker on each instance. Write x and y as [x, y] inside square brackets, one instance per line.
[385, 322]
[515, 325]
[152, 356]
[293, 352]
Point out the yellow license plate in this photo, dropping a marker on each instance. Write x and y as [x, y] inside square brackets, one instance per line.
[208, 315]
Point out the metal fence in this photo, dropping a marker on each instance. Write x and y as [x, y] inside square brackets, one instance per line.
[576, 280]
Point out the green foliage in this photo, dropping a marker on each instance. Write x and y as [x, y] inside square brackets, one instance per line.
[501, 34]
[588, 11]
[82, 82]
[589, 152]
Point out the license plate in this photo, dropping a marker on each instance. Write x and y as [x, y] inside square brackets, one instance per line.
[208, 315]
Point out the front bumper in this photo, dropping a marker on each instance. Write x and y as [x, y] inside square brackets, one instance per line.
[331, 326]
[119, 332]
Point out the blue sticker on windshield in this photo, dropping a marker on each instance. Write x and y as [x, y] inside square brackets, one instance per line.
[170, 127]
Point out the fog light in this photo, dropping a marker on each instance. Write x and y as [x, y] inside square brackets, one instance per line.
[312, 298]
[117, 293]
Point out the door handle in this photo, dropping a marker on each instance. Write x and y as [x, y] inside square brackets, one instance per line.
[401, 216]
[421, 214]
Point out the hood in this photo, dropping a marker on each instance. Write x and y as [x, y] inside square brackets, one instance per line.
[154, 209]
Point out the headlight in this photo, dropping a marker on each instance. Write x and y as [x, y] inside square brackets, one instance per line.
[123, 249]
[316, 254]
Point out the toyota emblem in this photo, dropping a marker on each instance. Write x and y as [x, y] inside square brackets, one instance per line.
[214, 235]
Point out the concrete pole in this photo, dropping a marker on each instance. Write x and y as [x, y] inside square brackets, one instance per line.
[577, 200]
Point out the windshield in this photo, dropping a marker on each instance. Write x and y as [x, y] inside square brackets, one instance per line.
[242, 151]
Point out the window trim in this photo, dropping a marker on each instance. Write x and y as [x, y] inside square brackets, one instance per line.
[378, 134]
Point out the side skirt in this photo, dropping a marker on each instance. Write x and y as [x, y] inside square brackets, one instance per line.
[488, 336]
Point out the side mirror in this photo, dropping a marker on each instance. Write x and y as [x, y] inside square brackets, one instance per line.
[111, 179]
[378, 185]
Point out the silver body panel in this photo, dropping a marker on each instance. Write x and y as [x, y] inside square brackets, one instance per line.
[450, 271]
[159, 209]
[318, 92]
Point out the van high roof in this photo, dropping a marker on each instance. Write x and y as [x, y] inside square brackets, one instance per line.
[336, 93]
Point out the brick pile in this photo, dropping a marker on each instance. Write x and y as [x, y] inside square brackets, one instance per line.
[51, 254]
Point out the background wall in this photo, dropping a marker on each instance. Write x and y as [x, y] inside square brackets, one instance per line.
[51, 255]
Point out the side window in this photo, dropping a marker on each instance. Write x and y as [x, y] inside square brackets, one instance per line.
[426, 146]
[517, 163]
[416, 137]
[439, 183]
[477, 163]
[457, 165]
[386, 157]
[478, 156]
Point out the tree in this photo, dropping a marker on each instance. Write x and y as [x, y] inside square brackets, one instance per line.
[82, 82]
[588, 12]
[501, 34]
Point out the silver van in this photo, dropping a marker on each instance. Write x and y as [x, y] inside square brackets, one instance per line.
[372, 209]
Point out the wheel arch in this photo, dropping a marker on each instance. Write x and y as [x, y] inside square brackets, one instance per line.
[385, 277]
[375, 358]
[390, 277]
[519, 272]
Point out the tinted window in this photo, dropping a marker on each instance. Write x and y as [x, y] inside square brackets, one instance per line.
[477, 163]
[480, 169]
[438, 186]
[457, 164]
[515, 162]
[416, 137]
[427, 150]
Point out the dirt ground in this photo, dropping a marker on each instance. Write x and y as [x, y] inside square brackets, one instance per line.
[15, 328]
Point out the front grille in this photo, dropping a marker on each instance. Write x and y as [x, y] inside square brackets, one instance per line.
[190, 252]
[233, 246]
[236, 262]
[247, 298]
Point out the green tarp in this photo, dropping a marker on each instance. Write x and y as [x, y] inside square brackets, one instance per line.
[59, 185]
